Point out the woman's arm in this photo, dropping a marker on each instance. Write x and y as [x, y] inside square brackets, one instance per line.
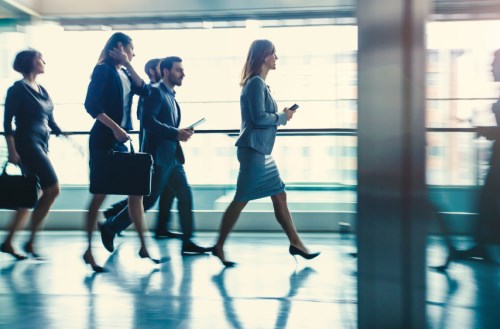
[11, 146]
[12, 103]
[122, 58]
[119, 133]
[97, 89]
[256, 90]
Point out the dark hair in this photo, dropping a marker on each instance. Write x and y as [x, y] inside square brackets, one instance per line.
[23, 63]
[151, 64]
[168, 62]
[112, 43]
[259, 50]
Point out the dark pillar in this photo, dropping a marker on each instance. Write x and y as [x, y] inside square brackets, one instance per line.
[391, 164]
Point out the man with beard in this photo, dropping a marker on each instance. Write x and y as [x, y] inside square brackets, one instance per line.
[160, 120]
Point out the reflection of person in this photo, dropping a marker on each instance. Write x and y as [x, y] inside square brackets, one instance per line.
[160, 118]
[109, 96]
[30, 105]
[258, 176]
[487, 223]
[152, 69]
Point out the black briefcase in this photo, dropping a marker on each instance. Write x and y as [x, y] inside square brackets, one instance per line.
[121, 173]
[17, 191]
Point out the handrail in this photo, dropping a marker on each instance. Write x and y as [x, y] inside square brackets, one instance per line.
[294, 132]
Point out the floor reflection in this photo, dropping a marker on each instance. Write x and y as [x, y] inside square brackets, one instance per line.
[266, 290]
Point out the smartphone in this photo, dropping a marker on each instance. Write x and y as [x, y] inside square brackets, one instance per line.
[293, 107]
[197, 123]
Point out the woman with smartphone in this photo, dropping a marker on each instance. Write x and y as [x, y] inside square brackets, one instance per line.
[258, 176]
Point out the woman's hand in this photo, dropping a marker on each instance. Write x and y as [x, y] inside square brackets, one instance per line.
[120, 56]
[14, 157]
[289, 114]
[120, 134]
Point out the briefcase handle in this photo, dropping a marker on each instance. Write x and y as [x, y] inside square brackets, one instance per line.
[132, 151]
[4, 169]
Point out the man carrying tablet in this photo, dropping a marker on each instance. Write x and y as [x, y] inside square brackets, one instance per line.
[162, 136]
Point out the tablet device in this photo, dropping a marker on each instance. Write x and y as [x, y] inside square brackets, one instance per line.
[293, 107]
[197, 123]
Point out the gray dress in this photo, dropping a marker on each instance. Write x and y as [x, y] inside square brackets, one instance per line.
[258, 176]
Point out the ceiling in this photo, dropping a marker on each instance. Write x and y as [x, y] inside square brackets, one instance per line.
[110, 12]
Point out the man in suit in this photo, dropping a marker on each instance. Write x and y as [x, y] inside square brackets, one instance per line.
[160, 118]
[152, 69]
[487, 228]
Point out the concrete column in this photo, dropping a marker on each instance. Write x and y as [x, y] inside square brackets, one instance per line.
[391, 164]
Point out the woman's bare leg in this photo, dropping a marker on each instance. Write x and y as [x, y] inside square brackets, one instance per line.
[229, 218]
[91, 220]
[284, 217]
[136, 213]
[49, 194]
[18, 221]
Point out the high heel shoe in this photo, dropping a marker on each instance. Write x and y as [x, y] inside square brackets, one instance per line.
[95, 267]
[296, 251]
[9, 250]
[29, 251]
[144, 254]
[226, 263]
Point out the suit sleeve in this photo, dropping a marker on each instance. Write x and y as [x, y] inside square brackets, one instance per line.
[96, 91]
[256, 100]
[142, 90]
[150, 117]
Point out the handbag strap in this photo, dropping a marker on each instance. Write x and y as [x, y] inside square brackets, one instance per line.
[4, 168]
[131, 146]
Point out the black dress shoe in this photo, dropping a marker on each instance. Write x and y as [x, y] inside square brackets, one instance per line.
[107, 237]
[192, 248]
[167, 235]
[478, 252]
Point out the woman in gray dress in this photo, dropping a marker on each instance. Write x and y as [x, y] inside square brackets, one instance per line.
[258, 176]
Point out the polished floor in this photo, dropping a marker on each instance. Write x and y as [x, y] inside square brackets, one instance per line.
[266, 290]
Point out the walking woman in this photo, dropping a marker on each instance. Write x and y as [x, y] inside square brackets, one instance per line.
[258, 176]
[109, 98]
[29, 104]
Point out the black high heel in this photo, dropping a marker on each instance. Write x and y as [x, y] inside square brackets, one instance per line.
[296, 251]
[95, 267]
[226, 263]
[29, 251]
[10, 251]
[144, 254]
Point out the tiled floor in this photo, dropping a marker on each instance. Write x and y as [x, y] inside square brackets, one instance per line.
[266, 290]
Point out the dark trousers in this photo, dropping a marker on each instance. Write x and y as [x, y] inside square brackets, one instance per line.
[488, 225]
[164, 206]
[173, 177]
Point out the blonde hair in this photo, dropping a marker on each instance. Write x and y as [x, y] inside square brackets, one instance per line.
[259, 50]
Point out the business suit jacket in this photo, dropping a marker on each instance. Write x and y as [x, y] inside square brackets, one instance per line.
[105, 95]
[160, 120]
[259, 116]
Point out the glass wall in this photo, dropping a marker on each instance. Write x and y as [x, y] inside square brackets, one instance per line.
[317, 73]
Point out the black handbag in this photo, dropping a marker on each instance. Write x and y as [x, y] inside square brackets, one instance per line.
[18, 191]
[121, 173]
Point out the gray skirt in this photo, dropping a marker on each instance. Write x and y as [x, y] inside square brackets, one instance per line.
[258, 176]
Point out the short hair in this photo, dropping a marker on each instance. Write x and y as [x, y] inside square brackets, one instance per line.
[23, 63]
[151, 64]
[168, 62]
